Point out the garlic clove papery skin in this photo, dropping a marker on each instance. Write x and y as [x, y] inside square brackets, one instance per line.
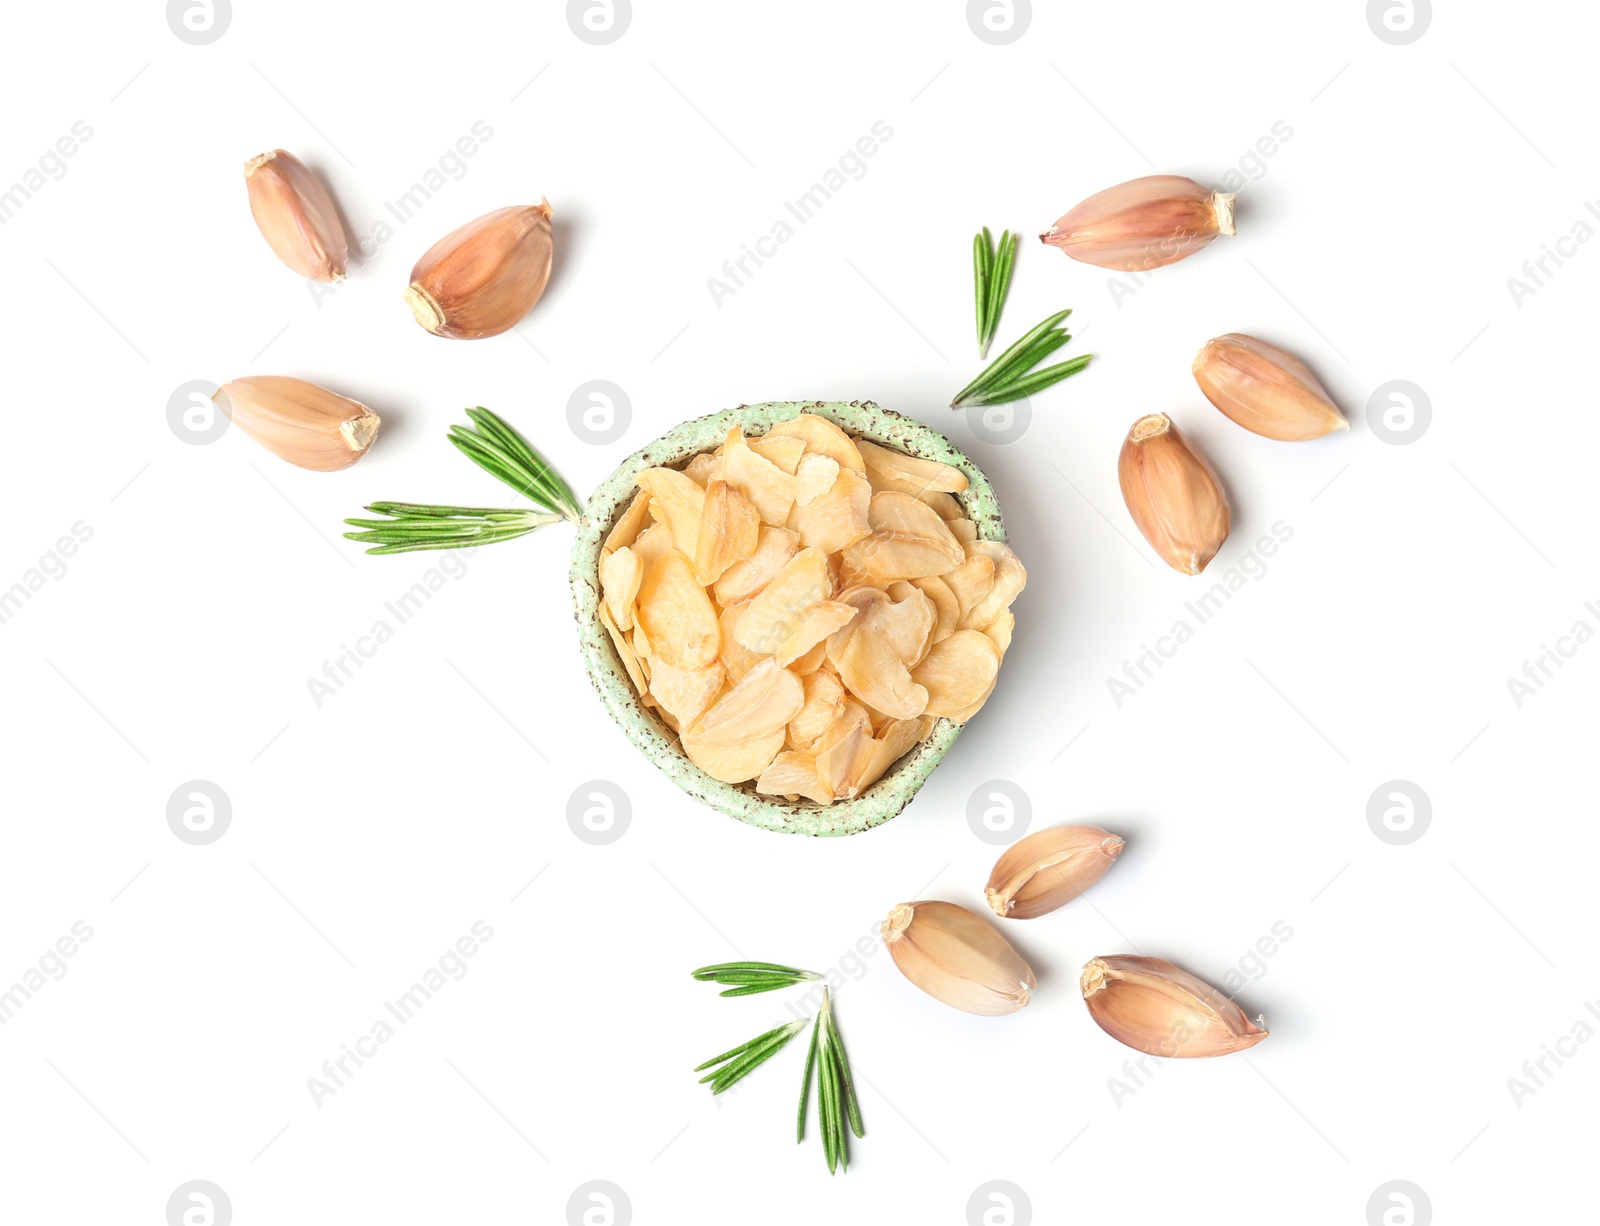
[481, 280]
[1173, 494]
[297, 216]
[1143, 224]
[1049, 868]
[958, 958]
[1160, 1009]
[297, 421]
[1266, 390]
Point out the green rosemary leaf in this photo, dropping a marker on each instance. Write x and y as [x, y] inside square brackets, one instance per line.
[504, 454]
[1007, 359]
[400, 533]
[418, 547]
[826, 1088]
[1036, 382]
[405, 533]
[420, 528]
[1020, 365]
[980, 282]
[536, 465]
[830, 1078]
[738, 978]
[495, 459]
[805, 1082]
[852, 1107]
[1029, 338]
[533, 460]
[711, 972]
[416, 526]
[416, 510]
[489, 455]
[743, 1065]
[492, 427]
[498, 464]
[752, 989]
[743, 1047]
[999, 285]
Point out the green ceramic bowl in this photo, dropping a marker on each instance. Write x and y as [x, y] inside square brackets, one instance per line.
[893, 792]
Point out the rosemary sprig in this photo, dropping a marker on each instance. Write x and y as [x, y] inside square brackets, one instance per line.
[837, 1108]
[836, 1094]
[1011, 375]
[991, 280]
[412, 527]
[749, 978]
[499, 450]
[742, 1060]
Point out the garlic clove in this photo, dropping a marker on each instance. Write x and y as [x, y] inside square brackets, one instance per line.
[1049, 868]
[300, 422]
[1160, 1009]
[297, 216]
[1266, 390]
[1173, 494]
[957, 958]
[482, 279]
[1143, 224]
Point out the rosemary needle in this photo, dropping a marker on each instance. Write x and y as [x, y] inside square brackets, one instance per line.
[991, 280]
[503, 453]
[999, 286]
[749, 978]
[852, 1107]
[722, 968]
[739, 1061]
[1037, 381]
[982, 259]
[1011, 376]
[838, 1145]
[805, 1081]
[734, 1051]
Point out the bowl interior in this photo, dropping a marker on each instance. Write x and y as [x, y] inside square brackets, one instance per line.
[891, 793]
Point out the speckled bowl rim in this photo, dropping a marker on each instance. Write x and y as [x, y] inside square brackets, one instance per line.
[895, 790]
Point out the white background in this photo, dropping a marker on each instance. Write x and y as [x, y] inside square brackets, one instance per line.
[370, 833]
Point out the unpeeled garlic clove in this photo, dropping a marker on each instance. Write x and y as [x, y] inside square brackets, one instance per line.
[957, 958]
[1143, 224]
[483, 278]
[1265, 390]
[1163, 1010]
[1173, 494]
[296, 216]
[1049, 868]
[300, 422]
